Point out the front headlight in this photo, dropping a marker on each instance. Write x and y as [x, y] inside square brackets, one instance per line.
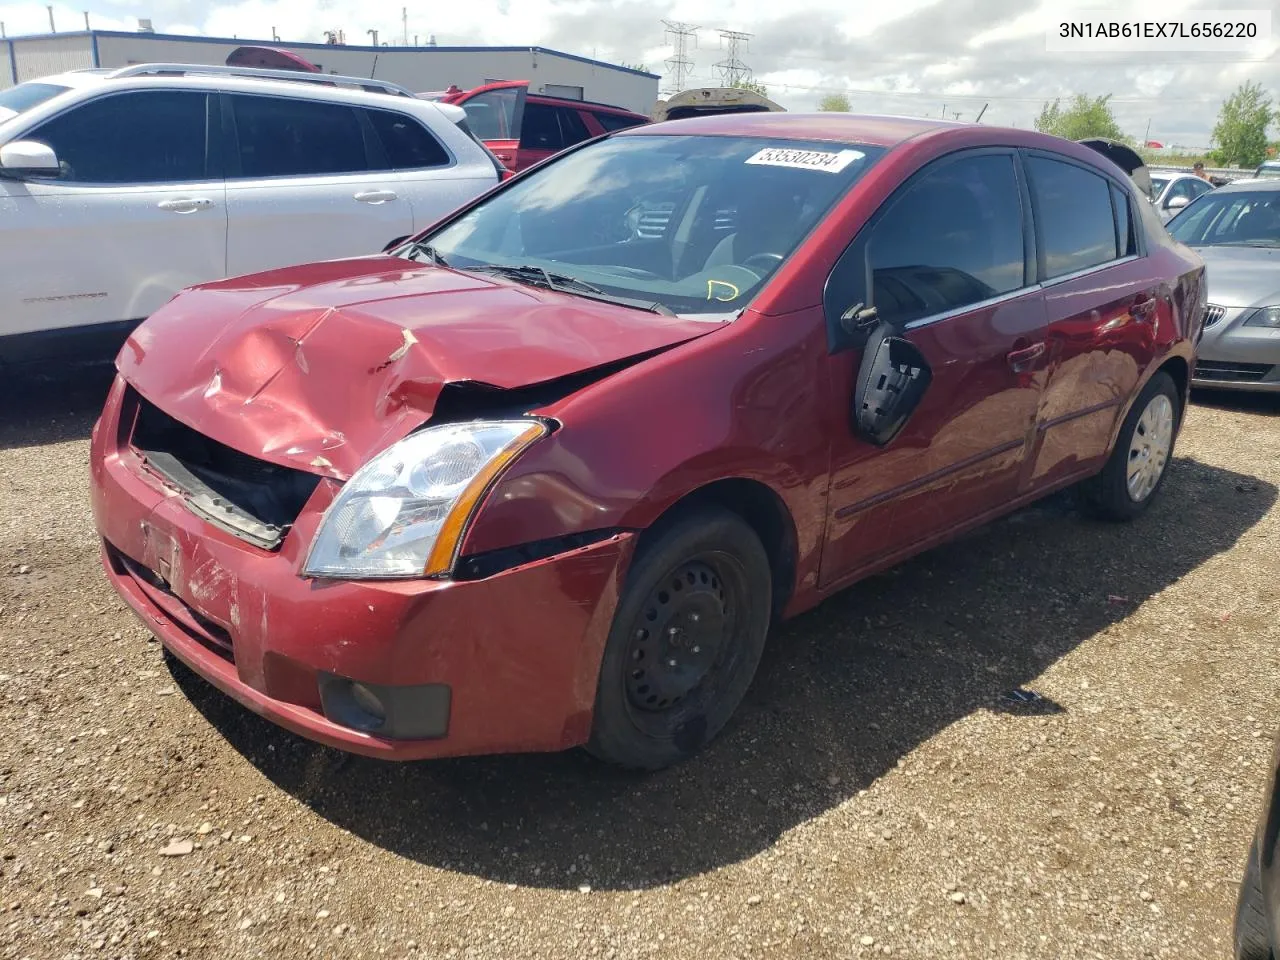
[404, 512]
[1264, 317]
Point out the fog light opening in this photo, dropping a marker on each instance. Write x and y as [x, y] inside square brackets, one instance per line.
[368, 701]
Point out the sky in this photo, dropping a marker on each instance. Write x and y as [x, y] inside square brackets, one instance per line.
[915, 57]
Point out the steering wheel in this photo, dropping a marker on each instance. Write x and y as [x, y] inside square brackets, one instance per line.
[766, 261]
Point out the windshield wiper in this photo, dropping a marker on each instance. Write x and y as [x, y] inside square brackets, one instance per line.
[540, 276]
[529, 273]
[428, 251]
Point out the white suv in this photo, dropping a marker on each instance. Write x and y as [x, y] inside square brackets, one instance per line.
[119, 188]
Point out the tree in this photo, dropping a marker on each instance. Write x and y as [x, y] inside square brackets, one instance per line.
[1083, 117]
[1240, 135]
[745, 83]
[834, 103]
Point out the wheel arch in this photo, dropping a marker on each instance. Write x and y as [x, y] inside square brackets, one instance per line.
[760, 506]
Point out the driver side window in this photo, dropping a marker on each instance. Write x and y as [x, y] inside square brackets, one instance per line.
[953, 237]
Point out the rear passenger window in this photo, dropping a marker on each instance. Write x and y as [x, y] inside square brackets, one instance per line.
[1077, 226]
[285, 137]
[541, 128]
[572, 125]
[614, 121]
[954, 238]
[407, 143]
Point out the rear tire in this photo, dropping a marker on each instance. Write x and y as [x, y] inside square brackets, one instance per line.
[1252, 932]
[685, 642]
[1139, 463]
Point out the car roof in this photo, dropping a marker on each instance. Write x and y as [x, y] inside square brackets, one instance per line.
[883, 131]
[1250, 186]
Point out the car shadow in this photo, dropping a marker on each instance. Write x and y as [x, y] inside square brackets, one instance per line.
[45, 408]
[844, 692]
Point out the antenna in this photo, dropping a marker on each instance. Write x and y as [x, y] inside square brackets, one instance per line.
[732, 69]
[981, 112]
[679, 62]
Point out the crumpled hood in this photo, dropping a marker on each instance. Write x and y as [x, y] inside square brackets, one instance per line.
[319, 367]
[1242, 276]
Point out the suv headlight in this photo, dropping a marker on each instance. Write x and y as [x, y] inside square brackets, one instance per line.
[1264, 317]
[404, 512]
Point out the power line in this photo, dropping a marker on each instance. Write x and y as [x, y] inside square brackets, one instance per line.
[679, 62]
[732, 70]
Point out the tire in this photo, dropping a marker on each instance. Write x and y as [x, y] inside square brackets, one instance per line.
[1152, 426]
[705, 576]
[1252, 932]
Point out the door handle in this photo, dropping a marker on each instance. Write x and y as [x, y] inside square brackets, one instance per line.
[1144, 308]
[375, 196]
[1022, 358]
[185, 204]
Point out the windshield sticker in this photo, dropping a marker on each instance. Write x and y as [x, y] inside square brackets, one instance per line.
[806, 159]
[733, 291]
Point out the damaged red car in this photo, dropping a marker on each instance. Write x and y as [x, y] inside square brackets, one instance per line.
[544, 475]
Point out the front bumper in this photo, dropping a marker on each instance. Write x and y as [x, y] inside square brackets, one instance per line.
[1232, 356]
[518, 652]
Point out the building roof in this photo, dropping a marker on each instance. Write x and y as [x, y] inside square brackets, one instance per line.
[292, 45]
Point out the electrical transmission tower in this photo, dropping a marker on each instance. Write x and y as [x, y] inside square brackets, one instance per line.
[679, 63]
[732, 70]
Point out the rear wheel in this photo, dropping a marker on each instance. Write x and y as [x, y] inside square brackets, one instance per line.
[1136, 469]
[1252, 933]
[685, 642]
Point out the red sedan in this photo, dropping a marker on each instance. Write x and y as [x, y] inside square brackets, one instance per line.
[544, 475]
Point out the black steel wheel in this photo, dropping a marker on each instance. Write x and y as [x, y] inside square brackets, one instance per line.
[685, 642]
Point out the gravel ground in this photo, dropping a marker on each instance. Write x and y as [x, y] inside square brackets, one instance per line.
[875, 796]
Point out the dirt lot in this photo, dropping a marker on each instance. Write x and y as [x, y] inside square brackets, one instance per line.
[875, 795]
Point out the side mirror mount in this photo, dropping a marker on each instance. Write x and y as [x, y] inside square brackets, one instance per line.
[892, 380]
[28, 157]
[1177, 203]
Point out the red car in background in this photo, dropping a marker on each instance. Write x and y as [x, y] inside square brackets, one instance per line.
[546, 474]
[523, 128]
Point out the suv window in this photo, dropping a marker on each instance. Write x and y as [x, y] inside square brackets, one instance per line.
[491, 115]
[573, 126]
[616, 121]
[152, 136]
[406, 142]
[288, 137]
[1185, 187]
[1074, 216]
[952, 238]
[540, 128]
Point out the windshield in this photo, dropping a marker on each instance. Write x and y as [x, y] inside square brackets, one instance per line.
[1230, 219]
[695, 225]
[25, 96]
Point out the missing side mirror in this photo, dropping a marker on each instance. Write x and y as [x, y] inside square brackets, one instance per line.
[892, 379]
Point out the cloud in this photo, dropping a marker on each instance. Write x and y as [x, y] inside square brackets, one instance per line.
[912, 56]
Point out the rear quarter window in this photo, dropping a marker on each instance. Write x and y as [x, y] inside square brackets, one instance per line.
[408, 145]
[616, 121]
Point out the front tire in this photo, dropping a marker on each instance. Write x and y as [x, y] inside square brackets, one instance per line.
[685, 642]
[1252, 937]
[1138, 464]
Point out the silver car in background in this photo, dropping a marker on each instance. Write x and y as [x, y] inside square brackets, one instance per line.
[1236, 230]
[1170, 192]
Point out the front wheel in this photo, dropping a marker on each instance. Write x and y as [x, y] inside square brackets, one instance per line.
[1136, 469]
[685, 642]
